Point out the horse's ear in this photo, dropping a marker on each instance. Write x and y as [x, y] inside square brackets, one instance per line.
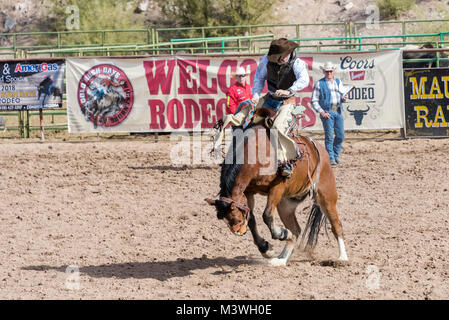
[232, 206]
[211, 202]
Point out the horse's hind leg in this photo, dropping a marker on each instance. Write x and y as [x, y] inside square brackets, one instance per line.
[273, 199]
[286, 210]
[264, 246]
[328, 204]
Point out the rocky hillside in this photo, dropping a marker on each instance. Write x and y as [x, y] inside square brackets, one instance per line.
[30, 15]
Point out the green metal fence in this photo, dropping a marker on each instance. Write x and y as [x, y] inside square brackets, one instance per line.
[23, 119]
[257, 44]
[256, 39]
[148, 40]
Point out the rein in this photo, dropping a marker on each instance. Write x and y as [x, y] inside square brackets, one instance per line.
[313, 183]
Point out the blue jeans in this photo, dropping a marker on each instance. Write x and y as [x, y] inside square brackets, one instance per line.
[272, 103]
[331, 126]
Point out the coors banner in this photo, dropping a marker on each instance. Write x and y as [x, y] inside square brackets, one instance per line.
[188, 93]
[376, 100]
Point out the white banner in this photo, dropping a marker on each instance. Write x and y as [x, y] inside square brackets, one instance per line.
[187, 93]
[376, 102]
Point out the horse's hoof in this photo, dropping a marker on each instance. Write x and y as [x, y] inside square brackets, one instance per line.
[269, 253]
[276, 262]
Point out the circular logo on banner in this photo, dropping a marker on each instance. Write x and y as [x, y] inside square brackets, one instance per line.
[105, 95]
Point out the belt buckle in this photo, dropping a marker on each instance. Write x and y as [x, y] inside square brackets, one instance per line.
[334, 108]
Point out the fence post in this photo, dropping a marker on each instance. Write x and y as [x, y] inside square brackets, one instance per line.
[157, 40]
[404, 32]
[14, 39]
[27, 124]
[41, 121]
[346, 32]
[21, 132]
[152, 37]
[350, 32]
[298, 33]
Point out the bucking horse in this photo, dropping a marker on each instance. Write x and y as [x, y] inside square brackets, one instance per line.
[245, 173]
[47, 89]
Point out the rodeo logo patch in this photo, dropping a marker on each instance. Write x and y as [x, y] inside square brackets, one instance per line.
[105, 95]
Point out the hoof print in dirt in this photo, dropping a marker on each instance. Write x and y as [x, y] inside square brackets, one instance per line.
[332, 263]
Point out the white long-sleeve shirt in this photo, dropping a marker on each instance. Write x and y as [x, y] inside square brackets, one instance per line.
[299, 68]
[335, 90]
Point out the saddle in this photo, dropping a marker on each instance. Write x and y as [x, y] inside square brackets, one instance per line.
[265, 116]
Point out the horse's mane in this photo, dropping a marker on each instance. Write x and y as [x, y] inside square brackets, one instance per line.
[227, 179]
[230, 168]
[229, 172]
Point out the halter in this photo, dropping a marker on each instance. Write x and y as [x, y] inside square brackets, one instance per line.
[240, 206]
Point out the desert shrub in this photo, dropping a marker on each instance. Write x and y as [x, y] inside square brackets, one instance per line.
[208, 13]
[96, 15]
[392, 9]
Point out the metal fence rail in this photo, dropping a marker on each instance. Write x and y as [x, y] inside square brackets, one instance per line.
[156, 41]
[19, 42]
[24, 126]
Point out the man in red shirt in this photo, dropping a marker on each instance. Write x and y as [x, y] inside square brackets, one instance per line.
[238, 92]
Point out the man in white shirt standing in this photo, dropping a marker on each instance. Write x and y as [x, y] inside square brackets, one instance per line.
[327, 98]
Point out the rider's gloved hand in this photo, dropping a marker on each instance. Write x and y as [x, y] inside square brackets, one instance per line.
[219, 124]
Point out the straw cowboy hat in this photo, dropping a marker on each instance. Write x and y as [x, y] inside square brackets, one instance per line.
[328, 66]
[241, 72]
[280, 48]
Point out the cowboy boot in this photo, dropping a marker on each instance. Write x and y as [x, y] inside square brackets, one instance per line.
[286, 170]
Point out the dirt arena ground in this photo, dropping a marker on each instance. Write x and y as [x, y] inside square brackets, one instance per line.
[132, 225]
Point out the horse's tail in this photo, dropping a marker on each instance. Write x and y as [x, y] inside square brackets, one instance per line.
[313, 226]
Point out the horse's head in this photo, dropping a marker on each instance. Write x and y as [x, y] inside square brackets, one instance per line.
[235, 214]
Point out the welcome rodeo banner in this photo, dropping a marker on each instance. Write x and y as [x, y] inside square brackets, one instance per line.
[188, 93]
[31, 84]
[426, 93]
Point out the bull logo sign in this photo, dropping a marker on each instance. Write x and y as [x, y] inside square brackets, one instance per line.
[358, 114]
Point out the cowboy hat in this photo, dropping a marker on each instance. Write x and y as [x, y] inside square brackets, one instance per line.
[241, 72]
[280, 48]
[328, 66]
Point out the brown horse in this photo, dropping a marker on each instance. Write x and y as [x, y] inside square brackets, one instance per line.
[243, 175]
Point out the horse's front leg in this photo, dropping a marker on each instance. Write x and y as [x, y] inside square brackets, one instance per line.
[265, 248]
[277, 232]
